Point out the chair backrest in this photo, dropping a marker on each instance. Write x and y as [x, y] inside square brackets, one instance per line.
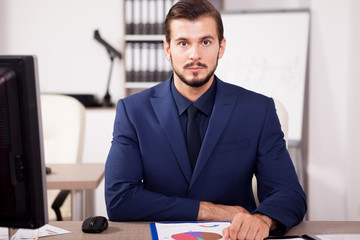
[63, 120]
[283, 118]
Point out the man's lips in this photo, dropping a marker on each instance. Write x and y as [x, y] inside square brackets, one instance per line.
[194, 69]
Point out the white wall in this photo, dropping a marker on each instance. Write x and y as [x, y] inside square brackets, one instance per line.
[60, 33]
[353, 168]
[329, 81]
[333, 137]
[234, 5]
[334, 111]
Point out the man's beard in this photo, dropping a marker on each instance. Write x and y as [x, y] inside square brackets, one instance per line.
[195, 81]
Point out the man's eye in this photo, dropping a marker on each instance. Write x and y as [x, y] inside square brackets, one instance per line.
[182, 44]
[206, 42]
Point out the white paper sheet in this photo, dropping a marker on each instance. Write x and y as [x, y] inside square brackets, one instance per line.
[44, 231]
[4, 233]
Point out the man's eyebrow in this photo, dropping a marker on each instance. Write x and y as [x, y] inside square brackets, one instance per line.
[208, 37]
[202, 38]
[181, 39]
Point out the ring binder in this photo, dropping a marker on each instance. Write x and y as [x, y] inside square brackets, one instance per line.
[145, 59]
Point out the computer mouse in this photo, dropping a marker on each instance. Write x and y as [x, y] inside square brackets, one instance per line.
[95, 224]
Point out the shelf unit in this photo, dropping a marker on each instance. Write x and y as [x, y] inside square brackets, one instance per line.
[145, 61]
[145, 78]
[152, 37]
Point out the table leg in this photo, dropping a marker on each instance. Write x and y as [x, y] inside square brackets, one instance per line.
[89, 203]
[82, 204]
[77, 205]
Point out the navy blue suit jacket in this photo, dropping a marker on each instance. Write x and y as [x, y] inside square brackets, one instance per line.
[148, 174]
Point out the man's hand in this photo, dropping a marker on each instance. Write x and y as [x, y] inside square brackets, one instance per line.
[216, 212]
[247, 226]
[244, 225]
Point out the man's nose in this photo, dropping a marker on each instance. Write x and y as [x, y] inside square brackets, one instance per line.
[195, 53]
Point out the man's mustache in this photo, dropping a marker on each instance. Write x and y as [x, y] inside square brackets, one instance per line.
[197, 64]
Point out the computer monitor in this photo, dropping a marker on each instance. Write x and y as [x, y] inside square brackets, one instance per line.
[23, 202]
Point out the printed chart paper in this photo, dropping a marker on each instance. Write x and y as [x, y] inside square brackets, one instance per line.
[191, 231]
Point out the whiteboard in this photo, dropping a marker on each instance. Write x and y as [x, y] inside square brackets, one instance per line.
[267, 52]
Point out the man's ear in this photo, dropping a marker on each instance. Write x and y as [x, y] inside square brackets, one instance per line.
[222, 48]
[167, 50]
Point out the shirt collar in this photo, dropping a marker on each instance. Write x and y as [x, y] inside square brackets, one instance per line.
[204, 103]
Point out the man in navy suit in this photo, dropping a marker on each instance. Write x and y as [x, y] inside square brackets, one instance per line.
[149, 174]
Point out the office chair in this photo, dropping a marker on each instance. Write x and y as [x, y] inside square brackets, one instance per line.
[63, 120]
[283, 118]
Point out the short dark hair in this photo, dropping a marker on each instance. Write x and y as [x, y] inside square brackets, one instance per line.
[193, 10]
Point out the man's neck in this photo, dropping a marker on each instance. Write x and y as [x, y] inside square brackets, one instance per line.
[191, 93]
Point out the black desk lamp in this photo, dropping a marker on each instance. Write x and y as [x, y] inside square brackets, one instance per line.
[112, 54]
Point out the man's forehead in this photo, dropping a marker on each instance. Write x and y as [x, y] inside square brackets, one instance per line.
[204, 18]
[200, 28]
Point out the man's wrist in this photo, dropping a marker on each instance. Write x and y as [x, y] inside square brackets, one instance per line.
[204, 211]
[272, 224]
[217, 212]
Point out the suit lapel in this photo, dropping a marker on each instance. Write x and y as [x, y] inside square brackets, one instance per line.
[165, 110]
[223, 107]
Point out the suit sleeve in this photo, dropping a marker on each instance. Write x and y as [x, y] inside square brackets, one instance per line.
[125, 195]
[280, 194]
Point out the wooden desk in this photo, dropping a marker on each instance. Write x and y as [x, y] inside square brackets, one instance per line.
[141, 230]
[81, 179]
[325, 227]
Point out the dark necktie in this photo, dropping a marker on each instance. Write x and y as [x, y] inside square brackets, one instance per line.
[193, 136]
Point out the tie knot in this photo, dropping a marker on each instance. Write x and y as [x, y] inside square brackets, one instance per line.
[191, 112]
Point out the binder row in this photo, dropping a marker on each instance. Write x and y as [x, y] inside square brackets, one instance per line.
[146, 62]
[146, 16]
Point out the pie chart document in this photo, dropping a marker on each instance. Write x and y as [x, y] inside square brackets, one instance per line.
[188, 230]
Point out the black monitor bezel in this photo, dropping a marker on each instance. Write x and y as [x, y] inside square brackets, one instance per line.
[35, 216]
